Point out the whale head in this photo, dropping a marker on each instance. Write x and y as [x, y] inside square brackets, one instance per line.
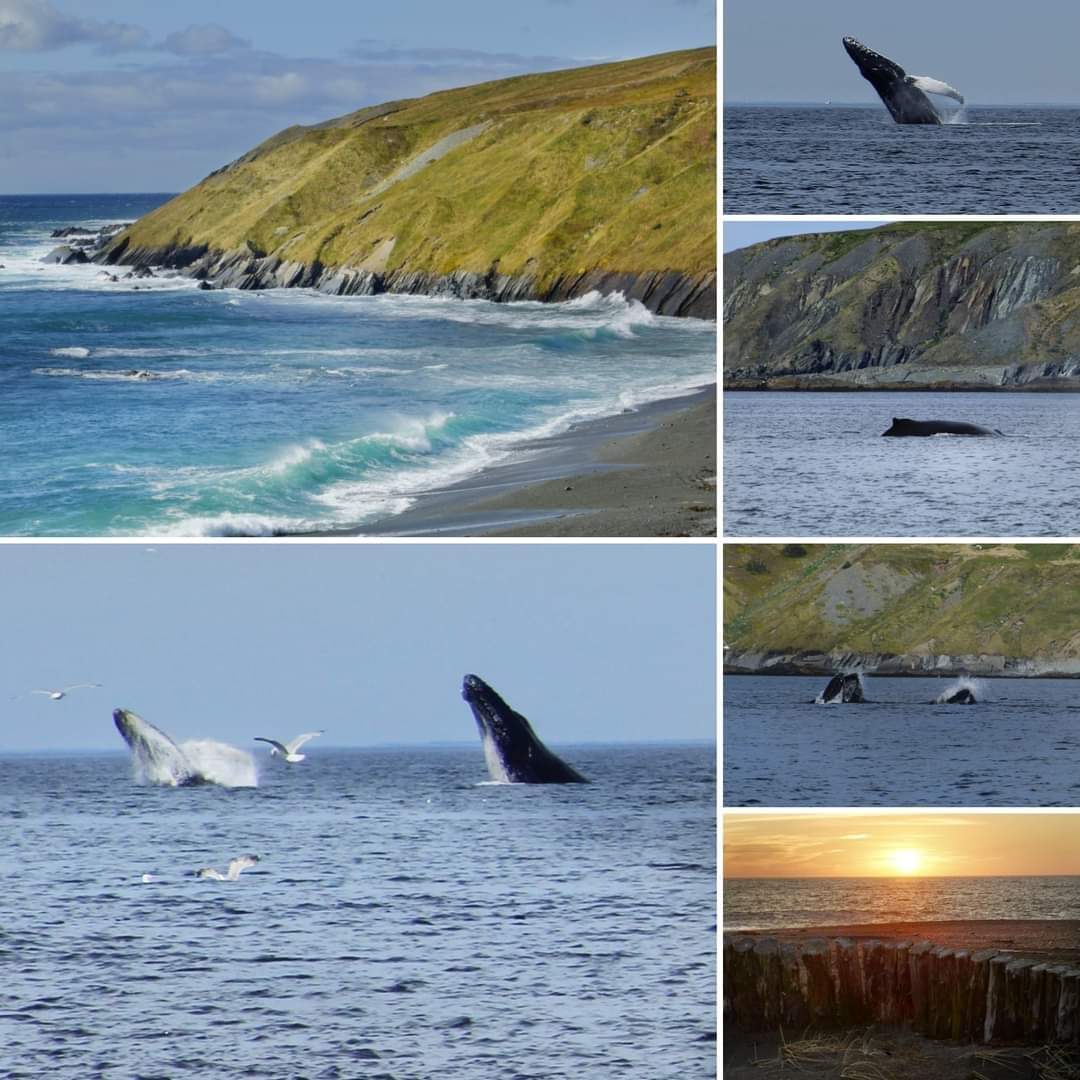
[513, 752]
[872, 65]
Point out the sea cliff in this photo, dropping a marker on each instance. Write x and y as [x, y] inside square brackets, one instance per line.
[541, 187]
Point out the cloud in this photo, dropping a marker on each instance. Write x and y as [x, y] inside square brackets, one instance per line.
[202, 39]
[379, 53]
[36, 26]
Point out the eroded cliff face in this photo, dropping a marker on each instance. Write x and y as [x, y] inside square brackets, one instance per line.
[916, 305]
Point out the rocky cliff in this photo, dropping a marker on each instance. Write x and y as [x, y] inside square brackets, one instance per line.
[538, 187]
[917, 305]
[903, 609]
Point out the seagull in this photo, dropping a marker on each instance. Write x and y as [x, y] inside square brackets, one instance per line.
[288, 750]
[56, 695]
[241, 862]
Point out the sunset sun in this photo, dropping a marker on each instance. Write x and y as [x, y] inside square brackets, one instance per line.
[906, 861]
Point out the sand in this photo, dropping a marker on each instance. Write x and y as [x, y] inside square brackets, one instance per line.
[650, 472]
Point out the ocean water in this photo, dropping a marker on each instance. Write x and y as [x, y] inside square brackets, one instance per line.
[850, 160]
[814, 464]
[406, 919]
[1017, 746]
[170, 410]
[767, 903]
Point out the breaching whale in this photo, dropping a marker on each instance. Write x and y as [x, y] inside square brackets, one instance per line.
[514, 754]
[159, 760]
[842, 689]
[904, 95]
[963, 696]
[902, 427]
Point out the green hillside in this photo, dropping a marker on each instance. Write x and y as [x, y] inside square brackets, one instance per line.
[1007, 599]
[609, 167]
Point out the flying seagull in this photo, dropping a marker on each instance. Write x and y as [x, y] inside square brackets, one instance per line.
[288, 750]
[240, 863]
[56, 695]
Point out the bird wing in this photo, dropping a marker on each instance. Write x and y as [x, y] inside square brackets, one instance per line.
[281, 748]
[49, 693]
[241, 862]
[80, 685]
[300, 740]
[210, 872]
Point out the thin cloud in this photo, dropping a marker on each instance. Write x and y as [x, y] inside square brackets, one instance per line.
[37, 26]
[202, 39]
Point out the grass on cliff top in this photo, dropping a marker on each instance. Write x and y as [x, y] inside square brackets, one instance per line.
[610, 166]
[944, 598]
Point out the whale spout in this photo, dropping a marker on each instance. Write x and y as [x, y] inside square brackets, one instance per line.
[514, 753]
[901, 93]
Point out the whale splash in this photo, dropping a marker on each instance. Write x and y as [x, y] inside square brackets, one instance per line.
[964, 691]
[157, 759]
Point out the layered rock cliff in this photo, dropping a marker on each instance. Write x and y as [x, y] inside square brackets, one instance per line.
[903, 609]
[980, 305]
[538, 187]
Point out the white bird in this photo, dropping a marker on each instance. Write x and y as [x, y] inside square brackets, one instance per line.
[288, 750]
[241, 862]
[56, 695]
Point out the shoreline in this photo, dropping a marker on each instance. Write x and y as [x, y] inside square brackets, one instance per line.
[648, 472]
[822, 664]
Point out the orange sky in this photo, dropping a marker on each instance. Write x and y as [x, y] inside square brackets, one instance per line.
[862, 843]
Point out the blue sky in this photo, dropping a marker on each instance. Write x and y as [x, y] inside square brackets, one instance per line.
[592, 642]
[789, 50]
[134, 95]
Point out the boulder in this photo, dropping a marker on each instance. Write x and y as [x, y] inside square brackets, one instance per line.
[65, 255]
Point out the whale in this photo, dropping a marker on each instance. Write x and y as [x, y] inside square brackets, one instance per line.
[904, 95]
[962, 696]
[158, 759]
[156, 756]
[842, 690]
[514, 753]
[903, 427]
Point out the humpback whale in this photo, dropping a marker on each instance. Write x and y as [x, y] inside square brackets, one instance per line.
[514, 754]
[902, 427]
[842, 689]
[963, 696]
[159, 760]
[904, 95]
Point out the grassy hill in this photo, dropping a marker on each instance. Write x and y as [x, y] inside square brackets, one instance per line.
[1003, 599]
[543, 176]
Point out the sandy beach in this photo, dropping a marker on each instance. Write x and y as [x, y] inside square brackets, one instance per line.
[649, 472]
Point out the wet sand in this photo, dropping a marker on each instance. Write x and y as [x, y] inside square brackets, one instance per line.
[650, 472]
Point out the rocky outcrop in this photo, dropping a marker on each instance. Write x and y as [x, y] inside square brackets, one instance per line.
[914, 306]
[982, 665]
[663, 292]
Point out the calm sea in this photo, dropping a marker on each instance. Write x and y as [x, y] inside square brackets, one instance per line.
[844, 160]
[406, 919]
[1017, 747]
[766, 903]
[815, 464]
[169, 410]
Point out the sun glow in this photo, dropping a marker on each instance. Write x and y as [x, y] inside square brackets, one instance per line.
[906, 861]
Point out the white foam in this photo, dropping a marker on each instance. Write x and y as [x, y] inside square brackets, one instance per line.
[76, 352]
[221, 764]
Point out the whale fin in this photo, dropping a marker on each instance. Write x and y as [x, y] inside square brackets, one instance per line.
[929, 85]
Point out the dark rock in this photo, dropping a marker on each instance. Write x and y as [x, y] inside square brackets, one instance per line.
[66, 256]
[72, 230]
[206, 286]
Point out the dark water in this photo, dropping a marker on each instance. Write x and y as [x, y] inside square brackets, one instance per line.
[405, 920]
[764, 903]
[814, 464]
[1017, 747]
[843, 160]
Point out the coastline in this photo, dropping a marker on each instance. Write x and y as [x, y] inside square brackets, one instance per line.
[649, 472]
